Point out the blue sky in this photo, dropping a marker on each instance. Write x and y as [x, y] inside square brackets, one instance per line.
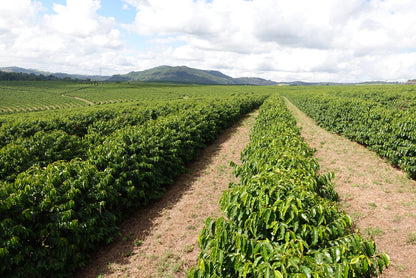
[122, 12]
[281, 40]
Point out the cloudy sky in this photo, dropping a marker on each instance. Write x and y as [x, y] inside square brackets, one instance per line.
[281, 40]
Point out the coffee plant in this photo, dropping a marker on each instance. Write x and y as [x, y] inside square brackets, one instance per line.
[281, 219]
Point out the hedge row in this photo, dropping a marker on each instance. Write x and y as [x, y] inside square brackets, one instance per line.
[82, 121]
[45, 141]
[281, 219]
[51, 218]
[386, 130]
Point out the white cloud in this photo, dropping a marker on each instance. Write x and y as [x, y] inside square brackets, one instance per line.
[331, 40]
[79, 19]
[336, 39]
[17, 13]
[61, 41]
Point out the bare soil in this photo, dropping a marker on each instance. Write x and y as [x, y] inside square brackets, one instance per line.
[161, 240]
[85, 100]
[380, 198]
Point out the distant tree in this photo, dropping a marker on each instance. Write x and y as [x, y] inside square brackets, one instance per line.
[20, 76]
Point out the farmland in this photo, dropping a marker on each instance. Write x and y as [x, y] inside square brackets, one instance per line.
[281, 220]
[68, 178]
[21, 96]
[381, 118]
[378, 196]
[99, 151]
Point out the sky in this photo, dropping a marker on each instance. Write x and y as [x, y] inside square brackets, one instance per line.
[279, 40]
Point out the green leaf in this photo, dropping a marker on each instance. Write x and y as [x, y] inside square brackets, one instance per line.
[315, 237]
[306, 270]
[337, 254]
[278, 274]
[319, 258]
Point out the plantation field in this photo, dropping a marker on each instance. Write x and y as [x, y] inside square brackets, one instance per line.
[379, 197]
[382, 118]
[98, 151]
[26, 96]
[69, 176]
[281, 219]
[20, 96]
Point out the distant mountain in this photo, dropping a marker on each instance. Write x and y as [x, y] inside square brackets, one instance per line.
[57, 74]
[185, 74]
[81, 76]
[175, 74]
[379, 83]
[302, 83]
[254, 81]
[23, 70]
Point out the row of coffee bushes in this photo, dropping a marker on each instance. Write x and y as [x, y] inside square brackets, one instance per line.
[42, 142]
[52, 217]
[281, 219]
[81, 121]
[383, 128]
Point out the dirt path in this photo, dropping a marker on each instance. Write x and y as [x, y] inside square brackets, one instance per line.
[81, 99]
[162, 240]
[380, 199]
[85, 100]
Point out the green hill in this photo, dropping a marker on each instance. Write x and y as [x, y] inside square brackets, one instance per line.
[185, 74]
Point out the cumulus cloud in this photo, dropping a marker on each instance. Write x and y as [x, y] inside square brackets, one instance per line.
[336, 39]
[329, 40]
[79, 19]
[74, 33]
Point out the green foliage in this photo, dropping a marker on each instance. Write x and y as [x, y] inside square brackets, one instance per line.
[53, 213]
[18, 76]
[42, 148]
[63, 138]
[20, 97]
[382, 118]
[281, 219]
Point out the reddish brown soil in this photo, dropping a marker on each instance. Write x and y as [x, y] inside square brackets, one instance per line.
[162, 239]
[380, 199]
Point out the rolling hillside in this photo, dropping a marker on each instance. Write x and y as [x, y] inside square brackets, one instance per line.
[185, 74]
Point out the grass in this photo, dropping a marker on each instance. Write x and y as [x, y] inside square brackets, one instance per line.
[169, 264]
[188, 248]
[191, 227]
[363, 186]
[373, 232]
[401, 268]
[221, 169]
[411, 239]
[348, 197]
[357, 215]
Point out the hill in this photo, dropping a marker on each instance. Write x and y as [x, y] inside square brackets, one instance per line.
[23, 70]
[58, 75]
[183, 74]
